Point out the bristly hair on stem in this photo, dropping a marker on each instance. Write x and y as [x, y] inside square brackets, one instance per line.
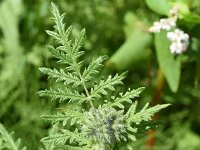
[101, 126]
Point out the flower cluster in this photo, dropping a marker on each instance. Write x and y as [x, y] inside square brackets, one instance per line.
[104, 125]
[165, 24]
[179, 39]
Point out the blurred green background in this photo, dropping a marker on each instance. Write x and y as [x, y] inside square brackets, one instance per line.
[118, 29]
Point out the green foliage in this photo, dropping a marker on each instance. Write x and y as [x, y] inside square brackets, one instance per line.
[71, 116]
[99, 127]
[145, 114]
[108, 84]
[92, 68]
[7, 141]
[61, 76]
[161, 7]
[111, 26]
[12, 66]
[19, 78]
[61, 138]
[133, 51]
[166, 59]
[126, 97]
[63, 95]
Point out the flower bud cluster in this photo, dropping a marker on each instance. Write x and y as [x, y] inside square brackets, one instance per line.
[104, 125]
[179, 39]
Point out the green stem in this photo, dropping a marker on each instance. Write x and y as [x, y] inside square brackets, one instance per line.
[87, 93]
[83, 82]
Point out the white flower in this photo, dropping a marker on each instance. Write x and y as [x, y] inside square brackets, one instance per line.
[165, 24]
[155, 28]
[177, 35]
[176, 48]
[180, 41]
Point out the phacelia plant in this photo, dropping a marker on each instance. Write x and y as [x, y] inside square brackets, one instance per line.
[100, 125]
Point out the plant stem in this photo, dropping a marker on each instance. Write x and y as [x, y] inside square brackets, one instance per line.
[87, 93]
[159, 88]
[83, 83]
[156, 100]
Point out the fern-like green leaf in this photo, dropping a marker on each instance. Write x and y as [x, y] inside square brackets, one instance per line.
[67, 47]
[55, 35]
[7, 138]
[145, 114]
[118, 102]
[69, 147]
[99, 128]
[63, 95]
[131, 109]
[92, 68]
[60, 26]
[70, 115]
[66, 135]
[61, 75]
[62, 56]
[78, 42]
[108, 84]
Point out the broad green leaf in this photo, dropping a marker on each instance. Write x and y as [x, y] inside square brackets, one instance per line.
[161, 7]
[169, 63]
[131, 22]
[191, 19]
[133, 51]
[188, 140]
